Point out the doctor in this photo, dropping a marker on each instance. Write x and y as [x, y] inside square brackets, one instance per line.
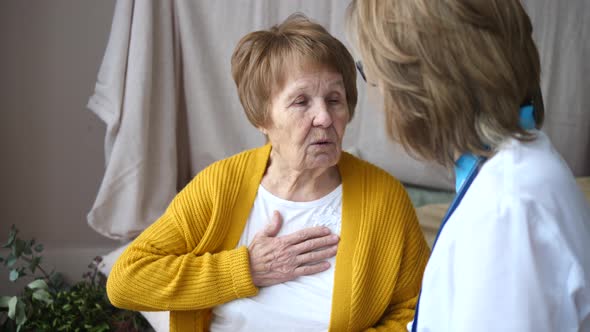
[459, 82]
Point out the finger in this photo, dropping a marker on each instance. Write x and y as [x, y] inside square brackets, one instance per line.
[316, 256]
[306, 270]
[306, 234]
[316, 243]
[274, 226]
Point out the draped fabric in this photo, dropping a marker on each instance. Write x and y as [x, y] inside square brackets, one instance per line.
[171, 108]
[562, 32]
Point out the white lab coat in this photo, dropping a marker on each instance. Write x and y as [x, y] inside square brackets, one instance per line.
[515, 255]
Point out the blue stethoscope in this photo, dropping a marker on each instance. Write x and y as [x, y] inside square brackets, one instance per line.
[466, 169]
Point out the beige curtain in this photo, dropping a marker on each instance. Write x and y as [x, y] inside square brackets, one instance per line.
[171, 108]
[562, 32]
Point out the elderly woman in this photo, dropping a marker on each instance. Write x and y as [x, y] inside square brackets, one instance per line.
[459, 80]
[295, 235]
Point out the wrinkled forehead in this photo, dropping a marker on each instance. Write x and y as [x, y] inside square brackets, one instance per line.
[312, 82]
[295, 67]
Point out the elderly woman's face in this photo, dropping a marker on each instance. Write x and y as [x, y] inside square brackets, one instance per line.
[308, 118]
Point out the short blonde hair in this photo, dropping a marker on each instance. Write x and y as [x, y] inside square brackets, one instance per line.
[453, 73]
[262, 59]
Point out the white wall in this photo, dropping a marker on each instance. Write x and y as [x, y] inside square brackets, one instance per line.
[51, 146]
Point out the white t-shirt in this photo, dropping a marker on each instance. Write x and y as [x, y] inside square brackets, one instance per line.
[515, 255]
[303, 304]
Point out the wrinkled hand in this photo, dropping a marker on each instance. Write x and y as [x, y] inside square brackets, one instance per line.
[274, 260]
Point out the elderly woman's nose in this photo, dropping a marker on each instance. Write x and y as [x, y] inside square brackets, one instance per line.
[322, 117]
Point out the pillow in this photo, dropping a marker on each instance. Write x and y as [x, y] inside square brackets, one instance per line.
[159, 320]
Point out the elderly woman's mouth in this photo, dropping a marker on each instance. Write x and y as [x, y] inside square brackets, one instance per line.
[322, 142]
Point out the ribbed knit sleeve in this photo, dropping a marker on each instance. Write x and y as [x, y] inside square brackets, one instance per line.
[412, 262]
[382, 249]
[174, 264]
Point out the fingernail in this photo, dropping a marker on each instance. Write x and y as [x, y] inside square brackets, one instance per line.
[334, 237]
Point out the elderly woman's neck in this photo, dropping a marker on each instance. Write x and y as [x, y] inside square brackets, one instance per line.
[300, 186]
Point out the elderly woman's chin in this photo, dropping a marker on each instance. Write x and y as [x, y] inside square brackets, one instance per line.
[323, 155]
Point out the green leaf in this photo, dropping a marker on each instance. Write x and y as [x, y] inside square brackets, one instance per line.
[56, 280]
[4, 301]
[42, 295]
[39, 247]
[35, 261]
[29, 246]
[13, 275]
[10, 260]
[100, 328]
[18, 247]
[21, 316]
[11, 237]
[38, 284]
[12, 307]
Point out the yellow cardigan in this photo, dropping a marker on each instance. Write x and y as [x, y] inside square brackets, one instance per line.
[187, 261]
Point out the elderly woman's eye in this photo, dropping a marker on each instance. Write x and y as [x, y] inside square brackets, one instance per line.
[333, 100]
[300, 102]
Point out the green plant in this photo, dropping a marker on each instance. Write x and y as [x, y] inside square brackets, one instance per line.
[47, 303]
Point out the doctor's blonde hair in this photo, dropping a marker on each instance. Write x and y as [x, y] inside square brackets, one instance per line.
[452, 73]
